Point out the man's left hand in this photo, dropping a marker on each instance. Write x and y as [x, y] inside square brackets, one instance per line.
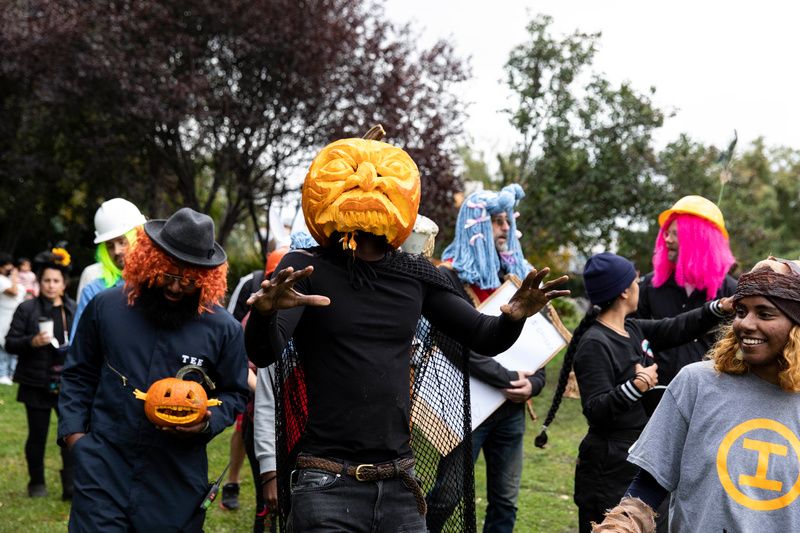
[520, 389]
[530, 298]
[194, 429]
[269, 487]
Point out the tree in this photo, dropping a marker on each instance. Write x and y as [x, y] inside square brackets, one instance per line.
[683, 167]
[221, 105]
[585, 156]
[759, 204]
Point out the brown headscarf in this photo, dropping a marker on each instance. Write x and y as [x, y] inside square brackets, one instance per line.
[783, 290]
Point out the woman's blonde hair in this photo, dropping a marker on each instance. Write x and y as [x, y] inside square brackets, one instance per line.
[724, 356]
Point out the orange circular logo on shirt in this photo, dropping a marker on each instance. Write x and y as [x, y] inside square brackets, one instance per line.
[766, 451]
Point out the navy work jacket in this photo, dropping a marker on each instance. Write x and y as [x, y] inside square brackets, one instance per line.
[116, 349]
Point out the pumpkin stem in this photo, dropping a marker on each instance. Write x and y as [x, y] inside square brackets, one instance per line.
[375, 133]
[194, 368]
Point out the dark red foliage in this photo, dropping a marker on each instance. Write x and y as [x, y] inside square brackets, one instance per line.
[216, 105]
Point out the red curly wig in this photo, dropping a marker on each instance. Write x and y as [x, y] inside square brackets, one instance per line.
[146, 262]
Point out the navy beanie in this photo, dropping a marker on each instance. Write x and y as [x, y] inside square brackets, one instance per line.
[606, 276]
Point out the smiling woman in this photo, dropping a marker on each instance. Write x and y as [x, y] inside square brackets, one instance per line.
[700, 443]
[765, 337]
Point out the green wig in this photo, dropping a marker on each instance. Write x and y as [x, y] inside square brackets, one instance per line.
[111, 273]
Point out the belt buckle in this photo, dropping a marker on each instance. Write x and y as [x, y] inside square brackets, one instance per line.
[358, 471]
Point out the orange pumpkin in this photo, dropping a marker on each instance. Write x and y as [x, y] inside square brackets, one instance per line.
[171, 402]
[361, 185]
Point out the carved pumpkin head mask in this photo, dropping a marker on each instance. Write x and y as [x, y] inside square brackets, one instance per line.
[361, 185]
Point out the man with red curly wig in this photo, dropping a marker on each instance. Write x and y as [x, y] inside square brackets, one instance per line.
[131, 475]
[690, 267]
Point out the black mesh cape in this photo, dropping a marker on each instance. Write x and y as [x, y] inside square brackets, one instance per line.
[441, 434]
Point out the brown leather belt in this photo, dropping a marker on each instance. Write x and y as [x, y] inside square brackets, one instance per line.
[363, 472]
[370, 472]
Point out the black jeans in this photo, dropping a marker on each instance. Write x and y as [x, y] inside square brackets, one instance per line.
[322, 501]
[38, 427]
[602, 476]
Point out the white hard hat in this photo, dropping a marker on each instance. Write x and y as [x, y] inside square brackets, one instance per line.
[114, 218]
[423, 238]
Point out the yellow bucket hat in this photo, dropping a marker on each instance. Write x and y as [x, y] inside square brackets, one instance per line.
[697, 206]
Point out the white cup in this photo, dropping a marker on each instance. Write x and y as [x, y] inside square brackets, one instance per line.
[46, 326]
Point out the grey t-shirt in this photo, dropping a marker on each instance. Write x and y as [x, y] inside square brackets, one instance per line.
[727, 448]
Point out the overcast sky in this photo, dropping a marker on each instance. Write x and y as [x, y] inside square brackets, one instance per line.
[719, 65]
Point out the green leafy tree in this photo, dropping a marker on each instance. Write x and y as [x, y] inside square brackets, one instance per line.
[757, 205]
[683, 167]
[759, 202]
[585, 155]
[475, 168]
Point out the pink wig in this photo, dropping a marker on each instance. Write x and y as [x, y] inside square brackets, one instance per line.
[704, 255]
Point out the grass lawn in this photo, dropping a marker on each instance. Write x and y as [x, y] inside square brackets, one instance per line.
[545, 503]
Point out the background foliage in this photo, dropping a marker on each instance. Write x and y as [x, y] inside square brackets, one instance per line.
[220, 106]
[214, 105]
[593, 177]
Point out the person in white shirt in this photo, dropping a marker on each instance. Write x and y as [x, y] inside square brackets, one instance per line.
[11, 295]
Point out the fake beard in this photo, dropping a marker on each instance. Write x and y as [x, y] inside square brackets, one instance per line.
[165, 314]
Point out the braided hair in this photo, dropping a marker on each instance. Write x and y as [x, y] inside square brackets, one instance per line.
[586, 322]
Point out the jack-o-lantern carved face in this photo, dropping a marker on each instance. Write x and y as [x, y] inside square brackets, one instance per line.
[361, 185]
[171, 402]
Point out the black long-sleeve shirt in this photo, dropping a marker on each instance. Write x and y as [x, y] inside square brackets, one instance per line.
[485, 368]
[35, 363]
[356, 351]
[668, 300]
[605, 360]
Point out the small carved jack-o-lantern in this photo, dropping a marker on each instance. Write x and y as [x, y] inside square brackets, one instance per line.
[361, 185]
[171, 402]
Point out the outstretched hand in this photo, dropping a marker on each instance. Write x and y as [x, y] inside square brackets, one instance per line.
[530, 298]
[278, 292]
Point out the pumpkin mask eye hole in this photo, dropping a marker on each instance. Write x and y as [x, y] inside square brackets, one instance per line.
[168, 393]
[190, 395]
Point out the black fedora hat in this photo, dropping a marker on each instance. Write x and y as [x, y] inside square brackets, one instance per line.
[187, 236]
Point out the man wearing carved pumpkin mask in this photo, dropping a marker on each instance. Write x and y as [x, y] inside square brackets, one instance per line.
[340, 319]
[129, 473]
